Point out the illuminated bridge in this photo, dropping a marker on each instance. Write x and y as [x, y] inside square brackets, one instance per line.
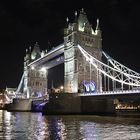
[87, 70]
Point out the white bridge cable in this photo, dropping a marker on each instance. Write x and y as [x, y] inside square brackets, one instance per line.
[112, 73]
[20, 84]
[121, 67]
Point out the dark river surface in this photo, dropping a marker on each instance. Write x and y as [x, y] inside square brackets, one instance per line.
[34, 126]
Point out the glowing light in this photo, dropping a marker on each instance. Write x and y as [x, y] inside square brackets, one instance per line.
[32, 67]
[1, 101]
[76, 13]
[81, 29]
[61, 87]
[91, 60]
[42, 54]
[87, 58]
[33, 56]
[81, 26]
[43, 69]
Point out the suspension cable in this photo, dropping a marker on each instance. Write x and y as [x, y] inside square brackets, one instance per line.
[121, 67]
[120, 76]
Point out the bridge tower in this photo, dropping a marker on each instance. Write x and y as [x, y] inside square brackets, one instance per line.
[35, 78]
[77, 69]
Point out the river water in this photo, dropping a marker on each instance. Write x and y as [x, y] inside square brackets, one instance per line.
[34, 126]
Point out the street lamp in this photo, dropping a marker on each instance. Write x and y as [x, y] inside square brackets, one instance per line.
[61, 88]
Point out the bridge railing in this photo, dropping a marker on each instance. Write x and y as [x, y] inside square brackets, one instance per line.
[121, 92]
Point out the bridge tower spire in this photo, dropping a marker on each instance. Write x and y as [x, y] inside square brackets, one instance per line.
[80, 32]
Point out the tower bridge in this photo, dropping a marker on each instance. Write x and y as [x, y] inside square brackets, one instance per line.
[84, 71]
[87, 79]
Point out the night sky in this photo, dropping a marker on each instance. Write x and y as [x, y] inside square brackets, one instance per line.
[23, 22]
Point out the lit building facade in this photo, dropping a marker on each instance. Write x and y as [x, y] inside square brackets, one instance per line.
[77, 70]
[35, 78]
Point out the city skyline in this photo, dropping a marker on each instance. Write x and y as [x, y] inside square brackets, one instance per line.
[24, 23]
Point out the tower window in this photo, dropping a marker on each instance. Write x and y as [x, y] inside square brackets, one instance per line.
[37, 83]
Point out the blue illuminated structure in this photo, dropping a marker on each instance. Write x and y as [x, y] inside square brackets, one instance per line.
[38, 105]
[89, 86]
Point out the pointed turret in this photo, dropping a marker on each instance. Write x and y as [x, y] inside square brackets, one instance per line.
[82, 20]
[98, 31]
[75, 13]
[30, 49]
[75, 19]
[36, 53]
[27, 55]
[67, 20]
[27, 58]
[66, 26]
[97, 25]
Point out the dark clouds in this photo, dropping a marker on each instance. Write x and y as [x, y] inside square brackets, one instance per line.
[23, 22]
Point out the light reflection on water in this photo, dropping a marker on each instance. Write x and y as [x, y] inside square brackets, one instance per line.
[34, 126]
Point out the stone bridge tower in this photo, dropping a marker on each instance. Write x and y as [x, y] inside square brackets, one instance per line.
[35, 78]
[77, 69]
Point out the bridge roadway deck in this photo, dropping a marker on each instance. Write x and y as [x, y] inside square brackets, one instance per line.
[50, 55]
[114, 94]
